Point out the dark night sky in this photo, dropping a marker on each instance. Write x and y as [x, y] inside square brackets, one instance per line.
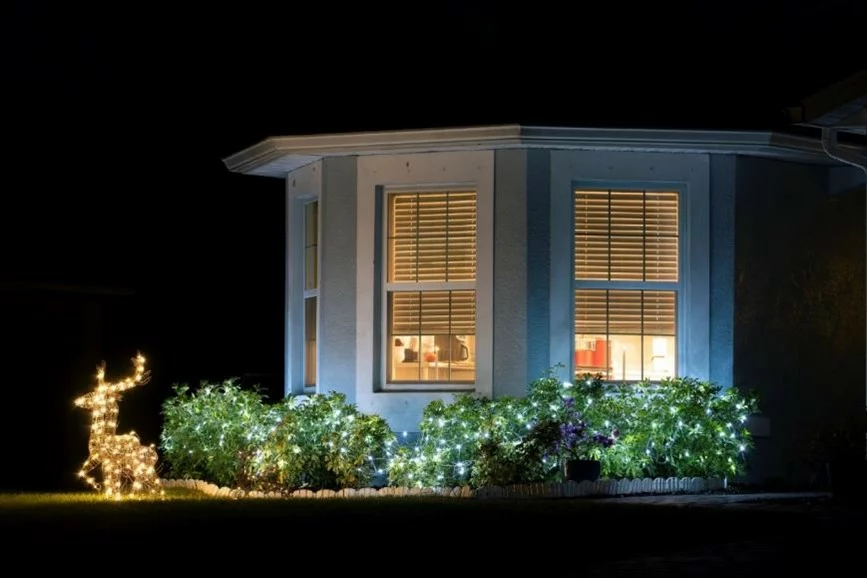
[117, 118]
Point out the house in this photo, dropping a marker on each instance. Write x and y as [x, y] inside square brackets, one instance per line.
[427, 262]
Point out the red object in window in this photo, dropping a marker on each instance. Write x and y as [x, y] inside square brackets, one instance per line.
[600, 354]
[583, 357]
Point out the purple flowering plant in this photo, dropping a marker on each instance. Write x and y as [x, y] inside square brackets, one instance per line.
[568, 436]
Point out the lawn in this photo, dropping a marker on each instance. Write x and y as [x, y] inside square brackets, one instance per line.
[370, 532]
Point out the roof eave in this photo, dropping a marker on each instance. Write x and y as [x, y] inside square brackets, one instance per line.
[277, 156]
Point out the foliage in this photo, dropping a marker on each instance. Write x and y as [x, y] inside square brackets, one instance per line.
[501, 464]
[322, 442]
[212, 433]
[497, 437]
[231, 437]
[681, 427]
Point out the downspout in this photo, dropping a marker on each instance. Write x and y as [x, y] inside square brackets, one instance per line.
[831, 147]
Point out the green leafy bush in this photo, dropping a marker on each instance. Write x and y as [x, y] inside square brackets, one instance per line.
[322, 442]
[213, 433]
[451, 435]
[231, 437]
[682, 427]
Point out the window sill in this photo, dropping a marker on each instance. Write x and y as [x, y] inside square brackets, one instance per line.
[428, 388]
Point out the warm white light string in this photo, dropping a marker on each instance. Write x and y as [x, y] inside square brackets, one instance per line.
[124, 465]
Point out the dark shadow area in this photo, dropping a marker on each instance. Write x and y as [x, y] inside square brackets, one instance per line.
[800, 315]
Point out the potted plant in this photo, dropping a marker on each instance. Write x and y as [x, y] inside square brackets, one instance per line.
[572, 443]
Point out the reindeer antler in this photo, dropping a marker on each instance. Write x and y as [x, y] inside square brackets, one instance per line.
[140, 377]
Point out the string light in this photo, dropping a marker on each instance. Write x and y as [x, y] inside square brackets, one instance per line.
[126, 466]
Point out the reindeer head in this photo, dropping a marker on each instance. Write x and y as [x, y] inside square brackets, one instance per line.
[105, 393]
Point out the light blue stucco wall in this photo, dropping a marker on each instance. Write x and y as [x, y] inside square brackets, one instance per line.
[337, 285]
[687, 173]
[524, 284]
[538, 250]
[510, 272]
[723, 169]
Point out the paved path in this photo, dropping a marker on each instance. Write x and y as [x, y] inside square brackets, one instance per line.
[724, 500]
[814, 538]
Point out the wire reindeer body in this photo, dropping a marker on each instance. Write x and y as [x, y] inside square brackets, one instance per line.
[126, 466]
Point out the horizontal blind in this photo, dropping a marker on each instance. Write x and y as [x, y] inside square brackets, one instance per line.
[626, 236]
[604, 312]
[432, 237]
[433, 312]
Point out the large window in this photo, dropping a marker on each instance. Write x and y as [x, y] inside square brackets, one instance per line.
[430, 288]
[311, 290]
[626, 266]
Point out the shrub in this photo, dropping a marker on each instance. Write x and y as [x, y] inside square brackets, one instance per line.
[213, 433]
[451, 436]
[322, 442]
[479, 441]
[682, 427]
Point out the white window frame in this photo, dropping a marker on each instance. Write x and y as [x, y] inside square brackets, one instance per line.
[388, 287]
[309, 293]
[676, 286]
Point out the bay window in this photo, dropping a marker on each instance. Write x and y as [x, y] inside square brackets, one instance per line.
[626, 282]
[430, 288]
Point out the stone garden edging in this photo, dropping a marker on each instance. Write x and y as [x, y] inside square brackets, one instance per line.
[550, 490]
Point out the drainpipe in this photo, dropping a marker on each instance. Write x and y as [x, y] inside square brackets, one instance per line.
[831, 147]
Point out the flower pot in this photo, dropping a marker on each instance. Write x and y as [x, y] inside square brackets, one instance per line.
[581, 470]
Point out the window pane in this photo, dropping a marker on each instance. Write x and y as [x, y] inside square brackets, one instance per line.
[625, 335]
[431, 336]
[311, 269]
[432, 237]
[661, 236]
[626, 235]
[310, 341]
[311, 249]
[311, 223]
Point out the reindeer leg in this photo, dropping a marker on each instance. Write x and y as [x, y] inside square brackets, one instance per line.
[86, 472]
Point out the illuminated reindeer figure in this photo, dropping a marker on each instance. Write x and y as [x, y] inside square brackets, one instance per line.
[127, 466]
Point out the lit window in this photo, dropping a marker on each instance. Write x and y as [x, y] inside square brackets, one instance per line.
[430, 285]
[626, 276]
[311, 290]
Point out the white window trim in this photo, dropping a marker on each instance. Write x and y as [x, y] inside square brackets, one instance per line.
[421, 287]
[689, 172]
[676, 286]
[472, 170]
[297, 295]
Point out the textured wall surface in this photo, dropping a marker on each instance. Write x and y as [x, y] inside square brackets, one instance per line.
[799, 307]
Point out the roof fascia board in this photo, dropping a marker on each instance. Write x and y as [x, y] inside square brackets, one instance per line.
[305, 149]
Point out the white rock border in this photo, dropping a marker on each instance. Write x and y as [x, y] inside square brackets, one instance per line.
[603, 487]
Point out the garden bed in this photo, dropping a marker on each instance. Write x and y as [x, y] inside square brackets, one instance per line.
[547, 490]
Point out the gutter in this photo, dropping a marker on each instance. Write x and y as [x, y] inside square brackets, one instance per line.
[849, 156]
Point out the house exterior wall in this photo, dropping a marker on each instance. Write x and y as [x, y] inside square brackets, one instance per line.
[799, 337]
[688, 173]
[403, 409]
[524, 270]
[302, 186]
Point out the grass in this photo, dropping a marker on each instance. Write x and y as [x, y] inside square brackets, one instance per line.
[424, 531]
